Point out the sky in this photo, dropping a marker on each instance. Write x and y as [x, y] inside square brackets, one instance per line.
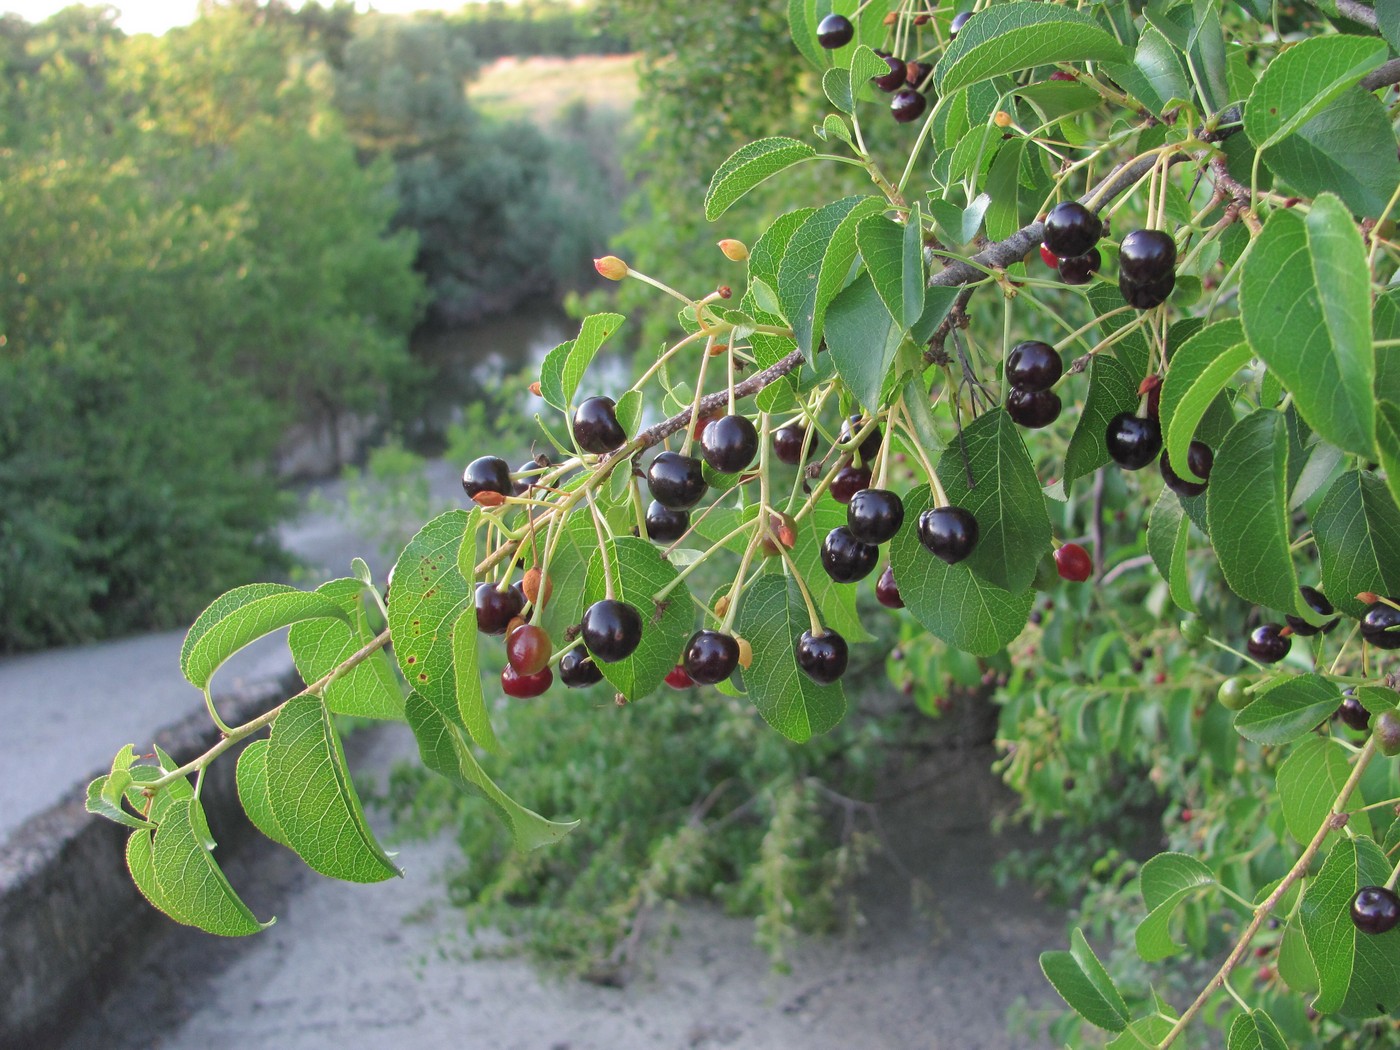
[156, 16]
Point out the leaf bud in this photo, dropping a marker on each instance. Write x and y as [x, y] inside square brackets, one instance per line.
[734, 251]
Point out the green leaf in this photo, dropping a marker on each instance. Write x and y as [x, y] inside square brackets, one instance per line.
[1200, 369]
[1288, 709]
[1247, 507]
[1388, 445]
[1168, 541]
[1166, 880]
[252, 791]
[950, 600]
[1156, 75]
[629, 411]
[1255, 1031]
[1359, 974]
[444, 749]
[552, 376]
[882, 247]
[1194, 28]
[748, 166]
[140, 861]
[772, 616]
[592, 333]
[1305, 300]
[193, 889]
[1142, 1034]
[836, 85]
[101, 803]
[1295, 963]
[371, 689]
[916, 290]
[1006, 38]
[568, 568]
[1003, 185]
[1375, 698]
[863, 340]
[471, 701]
[1112, 390]
[1300, 82]
[816, 264]
[638, 572]
[242, 615]
[1085, 985]
[1309, 781]
[313, 799]
[1357, 529]
[1004, 496]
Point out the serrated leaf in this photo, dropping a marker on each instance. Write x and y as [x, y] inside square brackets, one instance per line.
[193, 889]
[1168, 536]
[1359, 975]
[1111, 390]
[313, 799]
[1255, 1031]
[140, 862]
[552, 376]
[1085, 985]
[1003, 217]
[1375, 698]
[1006, 38]
[1309, 781]
[1306, 305]
[950, 600]
[444, 749]
[1165, 881]
[1200, 369]
[881, 242]
[772, 616]
[368, 690]
[99, 804]
[593, 332]
[243, 615]
[1300, 82]
[863, 340]
[471, 701]
[836, 85]
[156, 805]
[1156, 75]
[1295, 963]
[1247, 507]
[750, 165]
[638, 572]
[251, 778]
[834, 127]
[1388, 445]
[1288, 709]
[1357, 529]
[629, 412]
[568, 568]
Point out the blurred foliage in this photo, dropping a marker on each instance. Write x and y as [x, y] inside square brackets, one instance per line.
[538, 27]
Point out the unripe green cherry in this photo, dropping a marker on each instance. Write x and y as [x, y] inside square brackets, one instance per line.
[1193, 630]
[1386, 729]
[1232, 693]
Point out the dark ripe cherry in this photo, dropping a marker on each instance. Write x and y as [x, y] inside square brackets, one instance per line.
[1376, 624]
[677, 482]
[1073, 563]
[1080, 269]
[1354, 714]
[1319, 604]
[792, 444]
[1033, 409]
[577, 669]
[1033, 365]
[1133, 441]
[835, 31]
[874, 515]
[1144, 296]
[1375, 909]
[1147, 256]
[596, 428]
[710, 656]
[1267, 645]
[907, 105]
[495, 608]
[949, 533]
[525, 686]
[665, 525]
[894, 79]
[845, 558]
[847, 481]
[959, 20]
[887, 591]
[869, 447]
[915, 73]
[528, 648]
[1386, 733]
[487, 474]
[729, 444]
[677, 678]
[1071, 229]
[822, 658]
[612, 630]
[522, 485]
[1200, 459]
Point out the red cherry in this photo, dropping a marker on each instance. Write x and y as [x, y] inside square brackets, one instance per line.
[1049, 258]
[528, 649]
[678, 679]
[1073, 563]
[525, 686]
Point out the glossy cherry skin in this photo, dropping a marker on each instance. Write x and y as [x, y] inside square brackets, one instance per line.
[1080, 269]
[1375, 624]
[835, 31]
[959, 20]
[894, 79]
[710, 656]
[1033, 409]
[792, 444]
[1375, 909]
[949, 533]
[525, 686]
[677, 482]
[1145, 296]
[907, 105]
[874, 515]
[1071, 229]
[822, 658]
[1354, 714]
[847, 481]
[596, 428]
[528, 649]
[487, 474]
[845, 558]
[887, 591]
[496, 608]
[1386, 733]
[677, 678]
[1073, 563]
[1319, 604]
[1033, 365]
[612, 630]
[1133, 441]
[1232, 694]
[1267, 645]
[577, 669]
[729, 444]
[869, 448]
[1199, 458]
[530, 470]
[1146, 256]
[665, 525]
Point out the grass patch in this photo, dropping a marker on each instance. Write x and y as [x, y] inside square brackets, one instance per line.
[540, 87]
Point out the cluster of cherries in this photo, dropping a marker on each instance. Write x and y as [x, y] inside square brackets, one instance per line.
[906, 81]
